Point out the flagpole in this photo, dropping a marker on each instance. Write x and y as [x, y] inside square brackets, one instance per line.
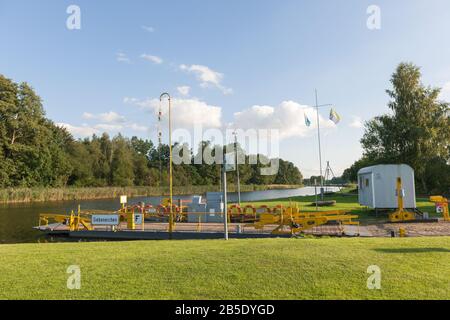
[320, 150]
[307, 122]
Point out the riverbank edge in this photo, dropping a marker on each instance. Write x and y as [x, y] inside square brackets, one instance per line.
[29, 195]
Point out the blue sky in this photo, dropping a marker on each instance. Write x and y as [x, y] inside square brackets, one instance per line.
[232, 55]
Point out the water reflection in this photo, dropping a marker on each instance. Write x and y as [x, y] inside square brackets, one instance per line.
[17, 220]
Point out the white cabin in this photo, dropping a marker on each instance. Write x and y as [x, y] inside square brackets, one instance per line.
[377, 186]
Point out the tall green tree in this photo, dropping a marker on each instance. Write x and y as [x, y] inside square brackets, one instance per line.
[122, 170]
[417, 129]
[31, 145]
[288, 173]
[8, 121]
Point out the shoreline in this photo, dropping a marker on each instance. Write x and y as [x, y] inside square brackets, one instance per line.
[30, 195]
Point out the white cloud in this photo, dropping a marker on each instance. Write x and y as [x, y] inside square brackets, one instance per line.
[185, 112]
[148, 29]
[108, 127]
[85, 130]
[79, 131]
[129, 100]
[137, 127]
[288, 118]
[207, 77]
[151, 58]
[445, 92]
[120, 127]
[110, 122]
[184, 90]
[108, 117]
[122, 57]
[356, 122]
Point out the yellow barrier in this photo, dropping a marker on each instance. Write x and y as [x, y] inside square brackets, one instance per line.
[291, 221]
[443, 202]
[73, 221]
[282, 220]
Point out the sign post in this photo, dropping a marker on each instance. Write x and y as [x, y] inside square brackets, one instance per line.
[105, 220]
[123, 201]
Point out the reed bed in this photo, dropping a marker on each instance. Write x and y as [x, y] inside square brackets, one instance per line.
[21, 195]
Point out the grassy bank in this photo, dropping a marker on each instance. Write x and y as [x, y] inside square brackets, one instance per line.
[344, 201]
[18, 195]
[411, 268]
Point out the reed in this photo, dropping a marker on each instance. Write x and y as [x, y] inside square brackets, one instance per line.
[21, 195]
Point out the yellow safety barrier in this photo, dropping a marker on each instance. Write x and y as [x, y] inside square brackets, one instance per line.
[249, 214]
[442, 202]
[234, 213]
[281, 220]
[291, 221]
[73, 221]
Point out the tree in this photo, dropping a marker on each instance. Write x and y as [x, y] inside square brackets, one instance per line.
[351, 174]
[141, 170]
[36, 152]
[209, 173]
[60, 167]
[8, 112]
[100, 154]
[417, 129]
[143, 147]
[122, 163]
[288, 173]
[31, 145]
[82, 164]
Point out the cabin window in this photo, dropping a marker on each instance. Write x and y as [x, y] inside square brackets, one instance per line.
[367, 182]
[360, 182]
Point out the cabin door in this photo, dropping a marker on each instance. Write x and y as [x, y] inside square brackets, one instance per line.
[365, 184]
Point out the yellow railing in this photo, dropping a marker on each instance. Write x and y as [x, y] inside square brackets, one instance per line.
[286, 219]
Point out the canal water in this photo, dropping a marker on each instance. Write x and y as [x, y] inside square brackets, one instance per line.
[17, 220]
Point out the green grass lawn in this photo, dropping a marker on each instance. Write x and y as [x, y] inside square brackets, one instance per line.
[345, 201]
[327, 268]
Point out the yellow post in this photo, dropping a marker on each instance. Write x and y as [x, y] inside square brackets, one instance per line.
[130, 219]
[399, 194]
[79, 218]
[72, 221]
[400, 214]
[170, 162]
[446, 213]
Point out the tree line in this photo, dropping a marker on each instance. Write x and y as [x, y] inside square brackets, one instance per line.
[35, 152]
[415, 132]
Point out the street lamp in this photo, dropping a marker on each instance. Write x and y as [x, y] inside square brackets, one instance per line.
[170, 162]
[237, 168]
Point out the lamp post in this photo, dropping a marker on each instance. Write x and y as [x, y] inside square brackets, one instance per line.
[237, 168]
[170, 163]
